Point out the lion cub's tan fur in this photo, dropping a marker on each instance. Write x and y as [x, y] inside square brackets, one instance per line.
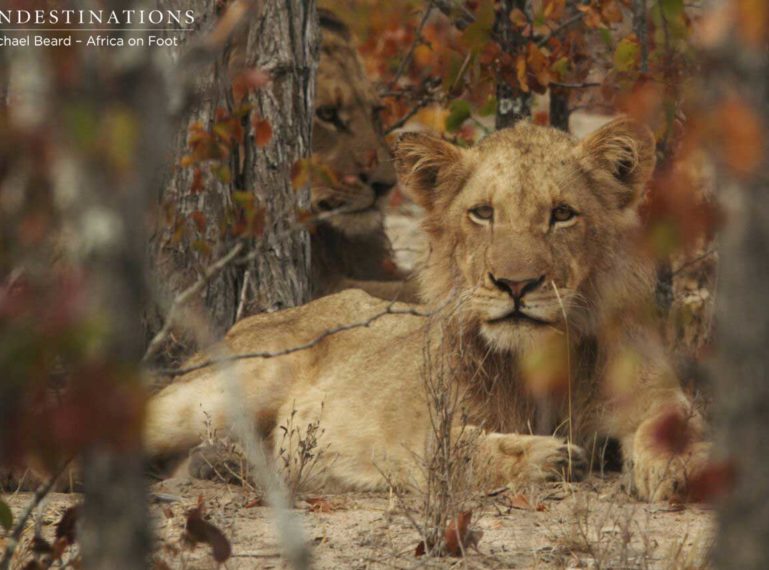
[532, 237]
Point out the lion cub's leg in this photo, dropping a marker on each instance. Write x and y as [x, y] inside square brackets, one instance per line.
[504, 458]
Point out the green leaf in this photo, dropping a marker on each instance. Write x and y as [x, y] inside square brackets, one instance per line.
[561, 67]
[626, 55]
[459, 112]
[478, 34]
[6, 516]
[488, 108]
[605, 35]
[672, 8]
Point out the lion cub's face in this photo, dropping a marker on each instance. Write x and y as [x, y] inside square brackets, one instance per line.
[527, 225]
[347, 137]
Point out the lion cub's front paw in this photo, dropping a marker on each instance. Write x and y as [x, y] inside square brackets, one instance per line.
[531, 458]
[660, 476]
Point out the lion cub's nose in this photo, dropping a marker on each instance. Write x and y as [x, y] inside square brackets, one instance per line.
[516, 288]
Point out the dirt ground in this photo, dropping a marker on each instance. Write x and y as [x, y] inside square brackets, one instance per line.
[593, 524]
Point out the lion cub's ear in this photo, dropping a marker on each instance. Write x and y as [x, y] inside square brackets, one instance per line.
[620, 157]
[425, 164]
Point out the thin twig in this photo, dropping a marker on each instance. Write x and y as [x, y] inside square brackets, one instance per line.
[243, 296]
[418, 40]
[182, 298]
[212, 270]
[389, 310]
[693, 261]
[568, 372]
[585, 85]
[40, 494]
[559, 28]
[422, 103]
[459, 15]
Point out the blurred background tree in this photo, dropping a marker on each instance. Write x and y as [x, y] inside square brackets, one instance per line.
[86, 140]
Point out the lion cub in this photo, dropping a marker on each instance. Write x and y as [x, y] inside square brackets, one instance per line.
[536, 300]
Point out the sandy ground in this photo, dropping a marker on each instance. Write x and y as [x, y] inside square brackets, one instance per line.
[593, 524]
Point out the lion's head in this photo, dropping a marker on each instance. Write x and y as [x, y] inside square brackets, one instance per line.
[347, 137]
[531, 227]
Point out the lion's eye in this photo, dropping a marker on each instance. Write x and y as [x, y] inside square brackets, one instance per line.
[562, 213]
[328, 113]
[482, 213]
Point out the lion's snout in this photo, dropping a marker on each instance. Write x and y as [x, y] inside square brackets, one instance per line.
[517, 287]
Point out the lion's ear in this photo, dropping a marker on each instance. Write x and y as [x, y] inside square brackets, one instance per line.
[620, 156]
[423, 163]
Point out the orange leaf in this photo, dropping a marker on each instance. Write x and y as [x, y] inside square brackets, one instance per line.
[741, 137]
[320, 505]
[518, 18]
[520, 501]
[520, 71]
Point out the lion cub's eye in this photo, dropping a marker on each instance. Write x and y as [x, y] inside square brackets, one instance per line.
[482, 213]
[562, 213]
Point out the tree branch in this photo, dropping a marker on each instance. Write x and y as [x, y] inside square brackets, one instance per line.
[18, 529]
[559, 28]
[184, 297]
[418, 40]
[389, 310]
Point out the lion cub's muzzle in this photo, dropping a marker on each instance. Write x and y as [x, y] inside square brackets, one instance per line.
[517, 290]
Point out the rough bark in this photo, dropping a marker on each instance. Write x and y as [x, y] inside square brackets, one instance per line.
[285, 40]
[513, 104]
[742, 390]
[281, 38]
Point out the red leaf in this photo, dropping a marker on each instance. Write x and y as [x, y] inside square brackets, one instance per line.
[200, 220]
[713, 482]
[459, 537]
[199, 530]
[420, 549]
[672, 432]
[67, 526]
[262, 132]
[257, 502]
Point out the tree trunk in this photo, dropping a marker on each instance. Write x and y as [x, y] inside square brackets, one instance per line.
[641, 30]
[207, 203]
[559, 108]
[742, 390]
[513, 104]
[286, 42]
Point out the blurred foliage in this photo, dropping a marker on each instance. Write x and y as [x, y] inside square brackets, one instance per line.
[437, 70]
